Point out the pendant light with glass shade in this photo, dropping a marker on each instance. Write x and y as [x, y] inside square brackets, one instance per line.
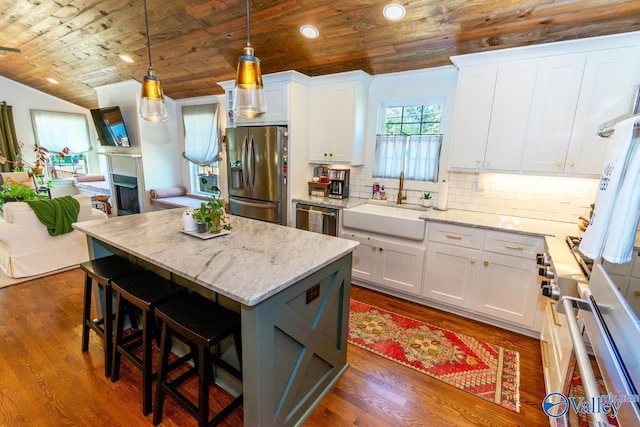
[152, 105]
[248, 97]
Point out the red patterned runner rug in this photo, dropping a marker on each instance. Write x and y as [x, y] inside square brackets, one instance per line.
[477, 367]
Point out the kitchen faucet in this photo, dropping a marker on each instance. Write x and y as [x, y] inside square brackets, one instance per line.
[400, 196]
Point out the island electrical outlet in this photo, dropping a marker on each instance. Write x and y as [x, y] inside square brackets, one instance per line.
[313, 293]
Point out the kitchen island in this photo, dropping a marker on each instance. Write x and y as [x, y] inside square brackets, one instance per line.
[291, 287]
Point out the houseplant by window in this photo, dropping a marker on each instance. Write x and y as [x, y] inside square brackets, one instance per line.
[211, 214]
[427, 201]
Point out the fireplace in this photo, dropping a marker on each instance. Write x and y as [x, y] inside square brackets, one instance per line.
[126, 189]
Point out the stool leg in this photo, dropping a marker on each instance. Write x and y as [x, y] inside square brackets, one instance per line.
[117, 340]
[204, 379]
[147, 374]
[107, 316]
[165, 344]
[86, 313]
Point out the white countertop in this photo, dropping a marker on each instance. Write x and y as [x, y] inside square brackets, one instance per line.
[496, 222]
[250, 264]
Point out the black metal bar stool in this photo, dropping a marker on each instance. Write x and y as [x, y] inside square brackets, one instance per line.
[143, 290]
[200, 323]
[102, 270]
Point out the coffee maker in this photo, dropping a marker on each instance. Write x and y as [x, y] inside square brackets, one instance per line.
[338, 183]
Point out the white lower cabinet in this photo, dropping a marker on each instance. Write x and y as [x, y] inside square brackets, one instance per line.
[450, 274]
[556, 348]
[489, 273]
[507, 288]
[390, 264]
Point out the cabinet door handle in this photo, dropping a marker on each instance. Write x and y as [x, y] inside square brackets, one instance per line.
[572, 163]
[486, 263]
[637, 293]
[545, 363]
[552, 307]
[518, 247]
[454, 237]
[325, 154]
[559, 163]
[472, 260]
[488, 161]
[373, 248]
[380, 249]
[330, 154]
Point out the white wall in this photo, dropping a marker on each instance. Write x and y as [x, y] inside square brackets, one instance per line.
[156, 142]
[419, 85]
[23, 98]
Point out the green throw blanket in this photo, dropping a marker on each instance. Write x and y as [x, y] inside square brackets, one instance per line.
[56, 214]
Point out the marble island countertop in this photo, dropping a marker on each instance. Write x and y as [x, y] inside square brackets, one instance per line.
[250, 264]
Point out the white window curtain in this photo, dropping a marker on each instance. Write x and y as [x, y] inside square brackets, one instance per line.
[55, 130]
[201, 134]
[389, 156]
[417, 155]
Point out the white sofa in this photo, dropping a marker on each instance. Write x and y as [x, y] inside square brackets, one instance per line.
[27, 249]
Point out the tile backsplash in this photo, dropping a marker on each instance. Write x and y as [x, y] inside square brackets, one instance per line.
[540, 197]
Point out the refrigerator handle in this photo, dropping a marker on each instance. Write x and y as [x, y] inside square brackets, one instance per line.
[244, 160]
[253, 164]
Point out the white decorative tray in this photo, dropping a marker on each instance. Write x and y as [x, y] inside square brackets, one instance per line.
[206, 235]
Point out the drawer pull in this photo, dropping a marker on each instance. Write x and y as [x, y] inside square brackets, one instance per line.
[472, 260]
[518, 247]
[454, 237]
[552, 307]
[543, 344]
[486, 263]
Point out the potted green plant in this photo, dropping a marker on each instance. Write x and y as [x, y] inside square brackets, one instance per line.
[16, 193]
[211, 216]
[426, 200]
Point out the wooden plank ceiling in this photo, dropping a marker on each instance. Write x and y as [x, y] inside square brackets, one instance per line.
[196, 43]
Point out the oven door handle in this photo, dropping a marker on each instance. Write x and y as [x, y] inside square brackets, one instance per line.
[582, 357]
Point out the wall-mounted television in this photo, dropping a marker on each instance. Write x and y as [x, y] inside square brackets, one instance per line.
[110, 127]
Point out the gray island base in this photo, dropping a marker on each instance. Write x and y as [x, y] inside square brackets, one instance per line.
[291, 287]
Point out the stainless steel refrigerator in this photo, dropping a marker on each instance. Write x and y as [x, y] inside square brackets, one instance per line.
[257, 172]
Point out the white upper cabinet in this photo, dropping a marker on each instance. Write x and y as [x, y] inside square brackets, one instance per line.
[552, 111]
[492, 110]
[537, 110]
[574, 95]
[278, 88]
[337, 113]
[608, 87]
[474, 100]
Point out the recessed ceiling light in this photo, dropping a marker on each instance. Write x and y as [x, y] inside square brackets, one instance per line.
[52, 80]
[126, 58]
[394, 11]
[309, 31]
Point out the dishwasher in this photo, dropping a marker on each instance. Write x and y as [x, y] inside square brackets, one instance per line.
[317, 219]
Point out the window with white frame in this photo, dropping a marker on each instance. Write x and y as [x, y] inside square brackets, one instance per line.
[66, 138]
[409, 140]
[202, 145]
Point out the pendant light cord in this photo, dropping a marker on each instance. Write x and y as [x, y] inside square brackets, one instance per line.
[248, 37]
[146, 25]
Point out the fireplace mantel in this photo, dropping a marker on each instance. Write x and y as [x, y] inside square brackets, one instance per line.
[127, 165]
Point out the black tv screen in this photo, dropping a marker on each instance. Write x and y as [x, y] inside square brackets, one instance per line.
[110, 127]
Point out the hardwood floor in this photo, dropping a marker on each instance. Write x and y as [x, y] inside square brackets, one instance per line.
[45, 380]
